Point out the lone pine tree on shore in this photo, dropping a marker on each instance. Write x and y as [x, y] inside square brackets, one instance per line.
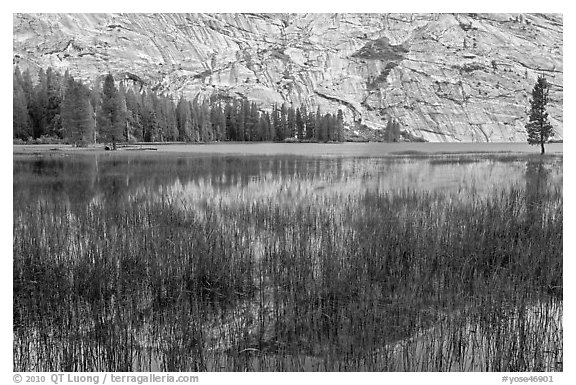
[538, 127]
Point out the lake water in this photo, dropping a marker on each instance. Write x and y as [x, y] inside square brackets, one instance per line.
[266, 169]
[140, 219]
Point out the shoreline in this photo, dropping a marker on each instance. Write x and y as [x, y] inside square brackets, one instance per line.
[345, 149]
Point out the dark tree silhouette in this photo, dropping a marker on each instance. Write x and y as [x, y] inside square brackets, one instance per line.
[77, 113]
[22, 127]
[61, 107]
[110, 119]
[538, 127]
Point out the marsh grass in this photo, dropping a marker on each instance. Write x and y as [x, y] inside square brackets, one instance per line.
[261, 265]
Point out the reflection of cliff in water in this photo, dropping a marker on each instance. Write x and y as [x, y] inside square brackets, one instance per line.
[112, 179]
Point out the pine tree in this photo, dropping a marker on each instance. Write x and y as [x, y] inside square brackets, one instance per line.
[111, 121]
[150, 121]
[276, 124]
[39, 106]
[230, 121]
[291, 123]
[340, 126]
[221, 122]
[241, 119]
[318, 128]
[205, 125]
[392, 132]
[171, 119]
[299, 125]
[27, 87]
[54, 99]
[323, 129]
[330, 127]
[310, 125]
[195, 121]
[123, 110]
[21, 125]
[253, 121]
[133, 117]
[184, 120]
[282, 131]
[215, 120]
[77, 111]
[267, 129]
[538, 127]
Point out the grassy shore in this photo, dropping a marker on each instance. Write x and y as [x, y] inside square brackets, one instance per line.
[370, 149]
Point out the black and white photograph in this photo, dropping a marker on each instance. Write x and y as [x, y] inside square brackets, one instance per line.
[286, 192]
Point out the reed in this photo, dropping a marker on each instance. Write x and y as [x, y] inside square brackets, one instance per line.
[222, 277]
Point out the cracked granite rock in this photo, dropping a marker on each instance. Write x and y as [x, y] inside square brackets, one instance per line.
[442, 77]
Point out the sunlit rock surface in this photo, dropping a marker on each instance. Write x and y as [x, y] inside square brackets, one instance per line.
[443, 77]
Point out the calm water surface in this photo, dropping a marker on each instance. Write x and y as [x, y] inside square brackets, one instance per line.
[360, 149]
[201, 171]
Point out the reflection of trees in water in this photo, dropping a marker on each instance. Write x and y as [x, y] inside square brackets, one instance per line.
[78, 179]
[537, 188]
[55, 179]
[112, 179]
[543, 216]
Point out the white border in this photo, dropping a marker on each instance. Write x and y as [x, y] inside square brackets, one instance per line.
[292, 6]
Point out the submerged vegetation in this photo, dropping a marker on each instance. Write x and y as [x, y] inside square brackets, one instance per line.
[184, 263]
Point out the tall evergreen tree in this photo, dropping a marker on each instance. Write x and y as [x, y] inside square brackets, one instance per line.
[330, 127]
[310, 125]
[218, 119]
[150, 121]
[184, 120]
[538, 127]
[110, 119]
[241, 119]
[39, 106]
[283, 127]
[253, 122]
[230, 122]
[171, 124]
[195, 119]
[320, 130]
[205, 123]
[299, 125]
[392, 132]
[271, 133]
[21, 125]
[276, 124]
[77, 114]
[54, 99]
[133, 116]
[340, 126]
[123, 111]
[291, 122]
[28, 87]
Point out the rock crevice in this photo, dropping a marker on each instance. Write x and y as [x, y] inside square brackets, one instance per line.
[443, 77]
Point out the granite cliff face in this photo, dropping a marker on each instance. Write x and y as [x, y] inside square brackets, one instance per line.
[442, 77]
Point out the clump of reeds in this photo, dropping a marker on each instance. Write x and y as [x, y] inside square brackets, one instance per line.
[384, 280]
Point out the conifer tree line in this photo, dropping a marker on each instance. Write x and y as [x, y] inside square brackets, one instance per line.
[60, 107]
